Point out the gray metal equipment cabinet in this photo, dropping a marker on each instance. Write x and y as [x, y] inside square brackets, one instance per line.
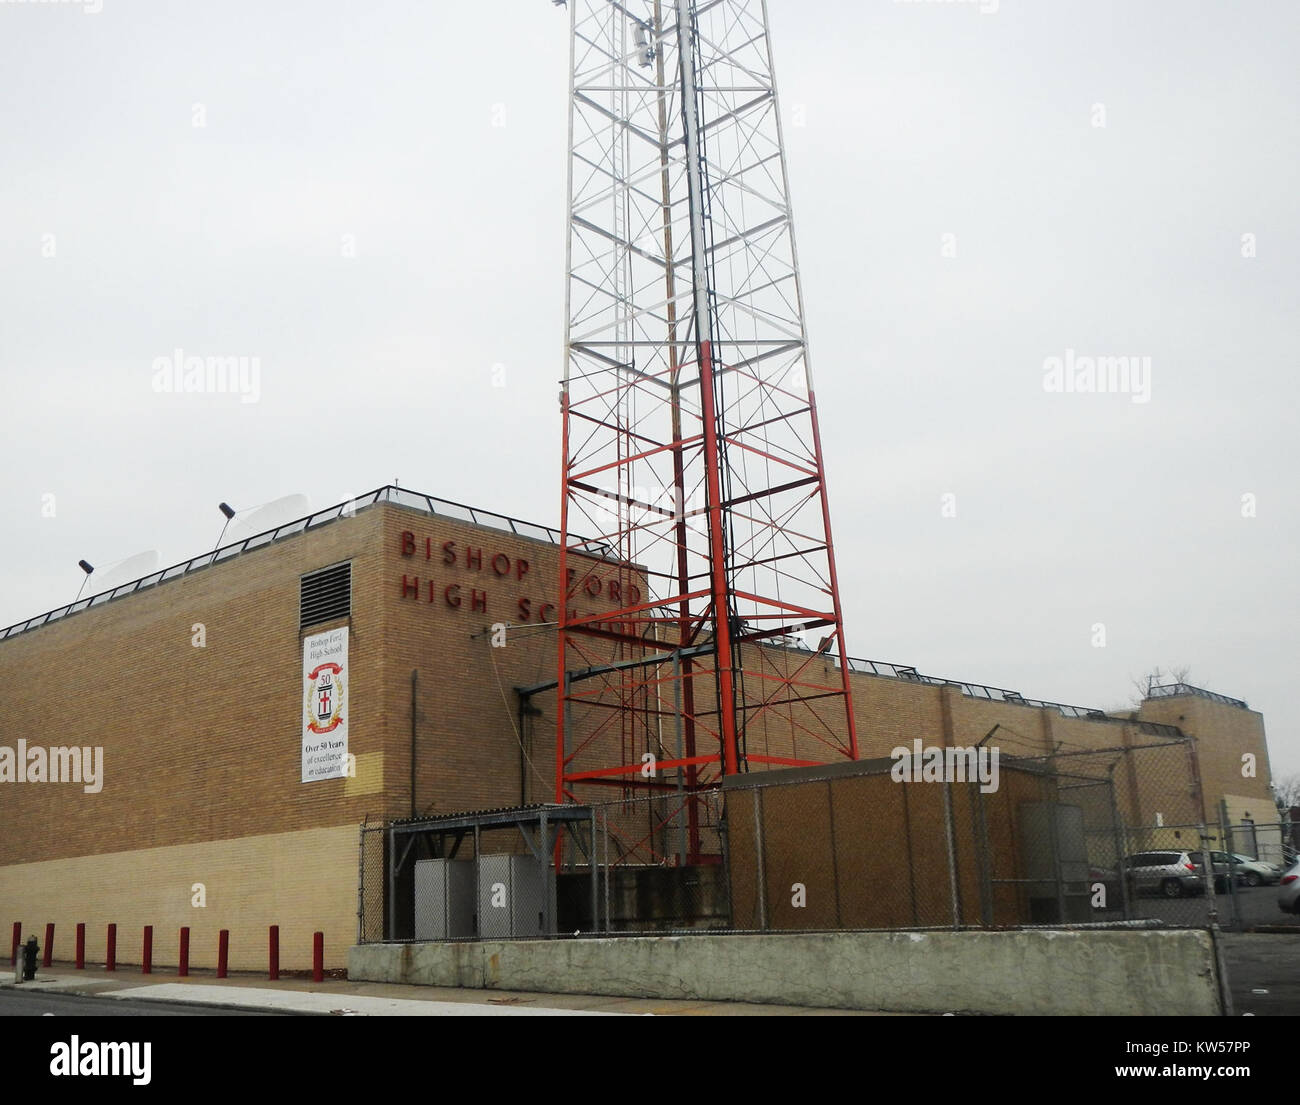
[444, 899]
[516, 897]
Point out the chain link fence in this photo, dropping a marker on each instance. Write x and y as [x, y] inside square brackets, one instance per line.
[950, 838]
[370, 885]
[1250, 859]
[638, 864]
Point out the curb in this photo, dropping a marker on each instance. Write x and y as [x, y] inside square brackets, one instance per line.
[69, 990]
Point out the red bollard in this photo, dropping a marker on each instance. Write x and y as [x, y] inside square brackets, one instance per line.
[110, 957]
[318, 957]
[49, 944]
[18, 937]
[81, 945]
[223, 952]
[275, 952]
[184, 969]
[146, 956]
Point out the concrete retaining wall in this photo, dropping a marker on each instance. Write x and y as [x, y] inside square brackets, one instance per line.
[1028, 973]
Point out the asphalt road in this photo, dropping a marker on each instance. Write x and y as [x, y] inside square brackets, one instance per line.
[1263, 962]
[1247, 907]
[24, 1003]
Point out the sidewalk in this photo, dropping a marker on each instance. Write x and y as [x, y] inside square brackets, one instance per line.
[373, 999]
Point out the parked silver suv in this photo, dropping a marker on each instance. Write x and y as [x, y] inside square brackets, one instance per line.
[1288, 895]
[1170, 873]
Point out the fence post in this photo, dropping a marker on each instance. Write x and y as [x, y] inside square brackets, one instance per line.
[724, 839]
[681, 755]
[48, 958]
[361, 885]
[984, 855]
[1121, 843]
[110, 954]
[18, 936]
[183, 968]
[1212, 917]
[478, 880]
[595, 874]
[274, 953]
[1228, 847]
[950, 842]
[1054, 837]
[390, 927]
[981, 838]
[223, 952]
[1198, 796]
[80, 960]
[605, 837]
[550, 874]
[318, 957]
[146, 955]
[760, 880]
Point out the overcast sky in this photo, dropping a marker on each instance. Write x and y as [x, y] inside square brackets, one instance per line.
[369, 198]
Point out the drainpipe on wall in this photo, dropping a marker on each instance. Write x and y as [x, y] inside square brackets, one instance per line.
[414, 680]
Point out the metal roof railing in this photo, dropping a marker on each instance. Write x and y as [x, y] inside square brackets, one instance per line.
[1001, 694]
[1171, 690]
[399, 496]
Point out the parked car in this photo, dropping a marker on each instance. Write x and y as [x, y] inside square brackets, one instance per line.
[1170, 873]
[1288, 895]
[1256, 871]
[1221, 863]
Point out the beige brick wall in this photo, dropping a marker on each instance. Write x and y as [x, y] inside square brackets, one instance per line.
[199, 744]
[1224, 735]
[304, 882]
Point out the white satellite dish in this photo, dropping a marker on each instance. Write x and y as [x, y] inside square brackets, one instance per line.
[267, 517]
[126, 571]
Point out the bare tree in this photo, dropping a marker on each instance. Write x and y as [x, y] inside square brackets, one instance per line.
[1156, 678]
[1286, 791]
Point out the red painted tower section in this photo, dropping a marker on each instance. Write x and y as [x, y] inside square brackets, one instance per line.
[701, 631]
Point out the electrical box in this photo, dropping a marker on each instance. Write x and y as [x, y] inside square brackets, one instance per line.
[444, 899]
[516, 897]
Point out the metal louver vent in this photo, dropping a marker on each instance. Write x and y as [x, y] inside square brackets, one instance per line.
[325, 595]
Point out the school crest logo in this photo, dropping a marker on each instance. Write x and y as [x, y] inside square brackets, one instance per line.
[325, 693]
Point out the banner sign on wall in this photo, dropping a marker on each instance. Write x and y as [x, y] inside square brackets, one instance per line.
[325, 706]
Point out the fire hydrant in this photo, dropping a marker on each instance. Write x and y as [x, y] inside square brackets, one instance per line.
[29, 959]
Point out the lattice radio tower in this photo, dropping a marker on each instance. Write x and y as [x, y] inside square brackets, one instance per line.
[701, 633]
